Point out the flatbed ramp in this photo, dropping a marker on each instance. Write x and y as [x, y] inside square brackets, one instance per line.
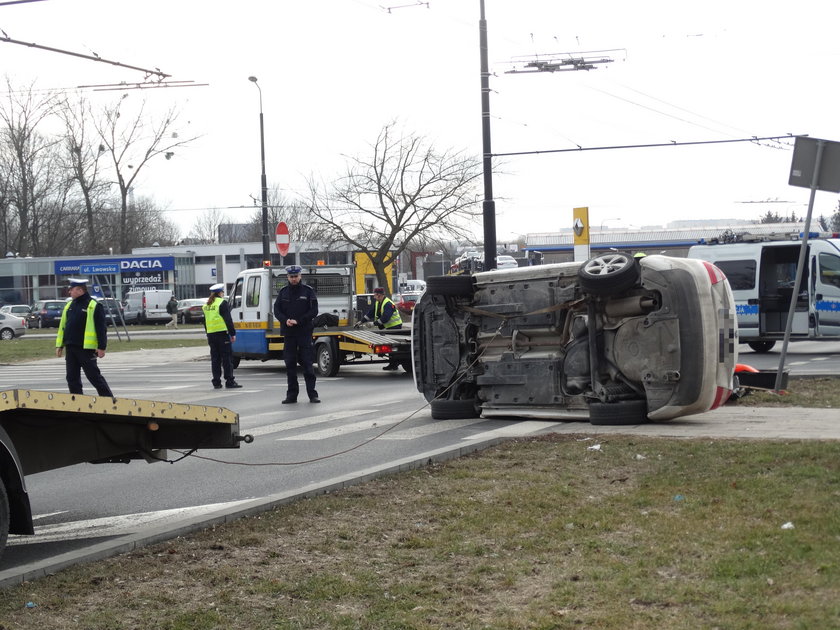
[50, 430]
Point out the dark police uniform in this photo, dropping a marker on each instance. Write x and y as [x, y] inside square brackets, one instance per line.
[81, 332]
[300, 303]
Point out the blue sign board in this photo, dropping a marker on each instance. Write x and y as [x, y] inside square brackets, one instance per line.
[99, 268]
[114, 265]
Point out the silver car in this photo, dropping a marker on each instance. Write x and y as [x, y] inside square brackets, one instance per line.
[614, 340]
[11, 326]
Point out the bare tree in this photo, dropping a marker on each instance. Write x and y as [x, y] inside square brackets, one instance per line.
[145, 224]
[205, 230]
[405, 189]
[132, 142]
[296, 214]
[28, 165]
[84, 161]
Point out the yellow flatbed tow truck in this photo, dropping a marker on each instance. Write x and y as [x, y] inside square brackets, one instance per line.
[42, 431]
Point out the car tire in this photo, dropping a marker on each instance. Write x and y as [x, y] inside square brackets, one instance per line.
[326, 361]
[453, 409]
[40, 323]
[7, 334]
[454, 286]
[621, 413]
[4, 516]
[761, 346]
[608, 273]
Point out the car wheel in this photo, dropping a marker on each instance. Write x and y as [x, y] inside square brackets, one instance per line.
[455, 286]
[761, 346]
[6, 334]
[624, 412]
[326, 362]
[609, 273]
[453, 409]
[40, 323]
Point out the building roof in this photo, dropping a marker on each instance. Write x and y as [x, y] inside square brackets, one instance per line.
[638, 239]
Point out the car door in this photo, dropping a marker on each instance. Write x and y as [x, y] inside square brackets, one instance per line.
[826, 292]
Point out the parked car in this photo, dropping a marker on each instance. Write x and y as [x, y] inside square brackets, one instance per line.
[503, 261]
[615, 339]
[21, 310]
[112, 307]
[46, 313]
[405, 301]
[189, 310]
[11, 326]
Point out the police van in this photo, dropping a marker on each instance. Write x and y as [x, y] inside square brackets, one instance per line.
[762, 270]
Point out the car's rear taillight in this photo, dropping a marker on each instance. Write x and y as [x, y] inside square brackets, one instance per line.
[715, 274]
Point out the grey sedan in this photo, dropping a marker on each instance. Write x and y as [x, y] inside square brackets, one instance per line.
[11, 326]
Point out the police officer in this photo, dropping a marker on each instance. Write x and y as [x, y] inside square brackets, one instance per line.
[83, 333]
[386, 317]
[220, 335]
[295, 308]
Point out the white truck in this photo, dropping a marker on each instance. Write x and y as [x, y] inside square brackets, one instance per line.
[337, 339]
[42, 431]
[762, 271]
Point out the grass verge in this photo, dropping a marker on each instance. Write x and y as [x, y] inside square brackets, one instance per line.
[546, 533]
[22, 350]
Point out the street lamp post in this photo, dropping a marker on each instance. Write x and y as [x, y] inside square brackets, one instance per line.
[265, 252]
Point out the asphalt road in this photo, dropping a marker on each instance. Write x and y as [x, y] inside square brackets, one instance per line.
[370, 423]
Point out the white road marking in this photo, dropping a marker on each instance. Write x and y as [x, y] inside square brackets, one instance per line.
[115, 525]
[302, 422]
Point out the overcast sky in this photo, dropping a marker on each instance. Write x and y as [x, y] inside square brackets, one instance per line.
[333, 72]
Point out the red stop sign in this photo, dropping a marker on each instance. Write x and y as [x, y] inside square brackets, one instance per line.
[281, 236]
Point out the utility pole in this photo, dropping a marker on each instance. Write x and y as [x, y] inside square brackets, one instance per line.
[489, 205]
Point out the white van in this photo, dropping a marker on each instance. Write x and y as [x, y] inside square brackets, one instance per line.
[762, 276]
[143, 306]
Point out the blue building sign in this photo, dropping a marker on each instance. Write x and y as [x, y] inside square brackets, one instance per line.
[116, 265]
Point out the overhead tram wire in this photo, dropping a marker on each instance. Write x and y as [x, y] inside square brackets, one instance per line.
[754, 139]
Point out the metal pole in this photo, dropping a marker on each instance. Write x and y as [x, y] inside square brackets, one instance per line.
[803, 250]
[489, 205]
[265, 249]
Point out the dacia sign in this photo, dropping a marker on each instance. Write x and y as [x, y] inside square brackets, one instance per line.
[125, 265]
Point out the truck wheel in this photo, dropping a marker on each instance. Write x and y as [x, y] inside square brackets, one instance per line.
[761, 346]
[326, 362]
[608, 273]
[453, 409]
[234, 362]
[4, 516]
[455, 286]
[622, 413]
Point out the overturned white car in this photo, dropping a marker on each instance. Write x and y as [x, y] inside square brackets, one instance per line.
[617, 340]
